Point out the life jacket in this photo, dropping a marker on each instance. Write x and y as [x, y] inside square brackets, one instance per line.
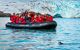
[22, 20]
[39, 20]
[13, 18]
[17, 19]
[42, 18]
[49, 18]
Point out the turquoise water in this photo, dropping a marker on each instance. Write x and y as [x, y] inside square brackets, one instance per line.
[67, 31]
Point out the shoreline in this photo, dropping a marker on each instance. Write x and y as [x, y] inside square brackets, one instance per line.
[4, 16]
[53, 17]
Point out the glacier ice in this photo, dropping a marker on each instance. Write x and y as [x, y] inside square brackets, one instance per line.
[67, 8]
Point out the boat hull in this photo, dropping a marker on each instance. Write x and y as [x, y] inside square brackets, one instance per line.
[45, 25]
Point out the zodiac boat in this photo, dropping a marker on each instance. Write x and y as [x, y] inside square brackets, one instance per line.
[45, 25]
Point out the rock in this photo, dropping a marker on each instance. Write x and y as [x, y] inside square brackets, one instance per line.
[57, 16]
[60, 43]
[2, 14]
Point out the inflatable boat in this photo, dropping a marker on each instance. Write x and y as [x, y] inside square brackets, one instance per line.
[45, 25]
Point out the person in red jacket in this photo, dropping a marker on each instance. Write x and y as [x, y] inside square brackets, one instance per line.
[33, 18]
[17, 18]
[39, 19]
[32, 14]
[48, 18]
[42, 18]
[22, 20]
[13, 18]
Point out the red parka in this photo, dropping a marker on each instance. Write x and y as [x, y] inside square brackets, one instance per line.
[17, 19]
[22, 20]
[13, 18]
[49, 18]
[39, 19]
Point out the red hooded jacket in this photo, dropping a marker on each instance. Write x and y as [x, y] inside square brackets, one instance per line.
[22, 20]
[49, 18]
[39, 20]
[17, 19]
[13, 18]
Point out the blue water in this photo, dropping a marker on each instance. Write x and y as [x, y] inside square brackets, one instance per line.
[67, 31]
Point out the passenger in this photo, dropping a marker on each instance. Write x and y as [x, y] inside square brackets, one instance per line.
[45, 17]
[48, 18]
[28, 18]
[13, 18]
[32, 14]
[17, 18]
[23, 14]
[33, 18]
[39, 19]
[42, 16]
[22, 20]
